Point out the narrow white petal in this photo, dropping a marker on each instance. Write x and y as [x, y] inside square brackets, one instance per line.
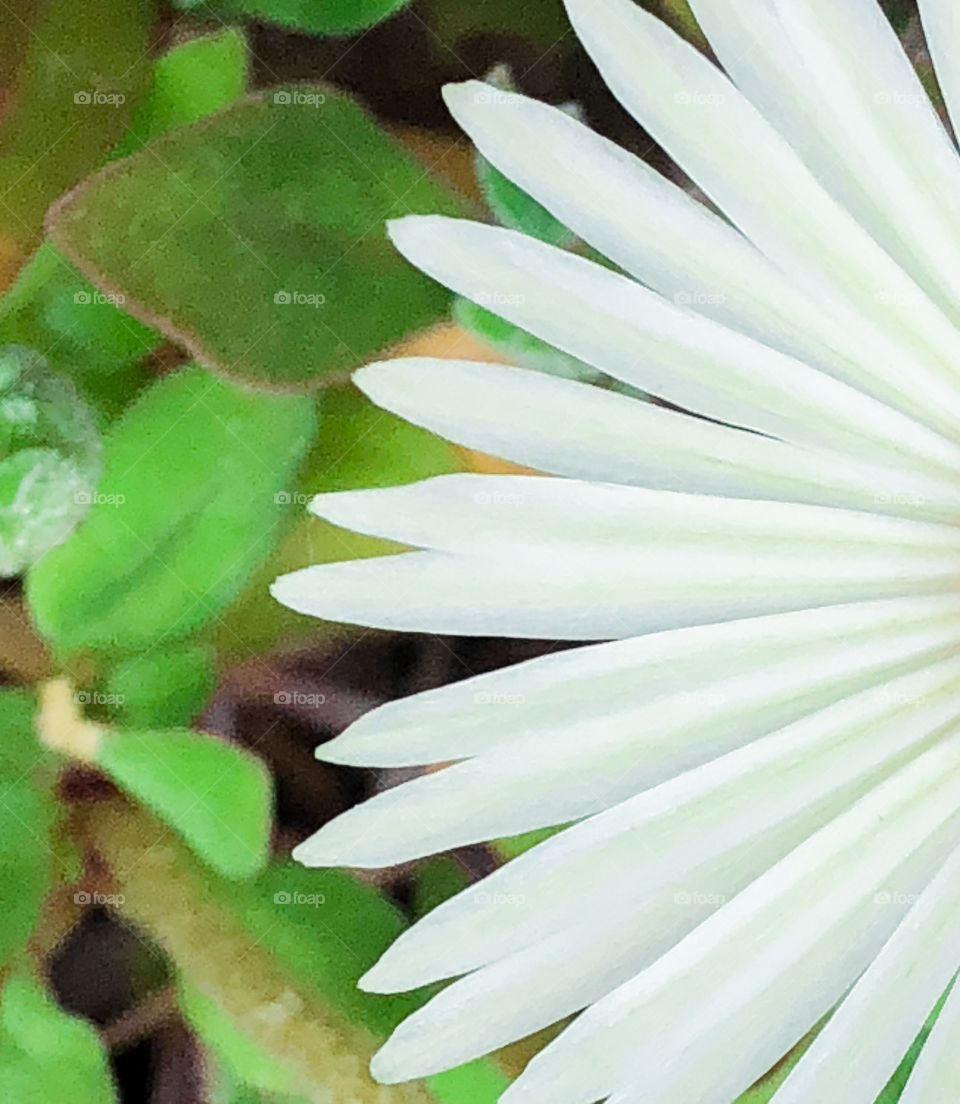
[515, 413]
[747, 168]
[486, 514]
[880, 149]
[708, 831]
[941, 25]
[567, 591]
[582, 768]
[780, 954]
[634, 334]
[916, 966]
[695, 258]
[872, 640]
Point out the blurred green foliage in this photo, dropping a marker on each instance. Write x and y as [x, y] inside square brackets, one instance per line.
[214, 267]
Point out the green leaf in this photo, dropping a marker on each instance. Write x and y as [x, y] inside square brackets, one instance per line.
[320, 17]
[304, 937]
[185, 511]
[520, 347]
[47, 1055]
[287, 193]
[86, 333]
[473, 1083]
[217, 796]
[162, 689]
[515, 209]
[84, 68]
[190, 81]
[27, 817]
[326, 928]
[361, 446]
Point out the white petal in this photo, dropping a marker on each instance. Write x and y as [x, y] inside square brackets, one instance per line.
[780, 954]
[747, 168]
[566, 591]
[710, 830]
[490, 515]
[515, 413]
[694, 258]
[874, 639]
[941, 25]
[583, 767]
[915, 967]
[632, 333]
[880, 148]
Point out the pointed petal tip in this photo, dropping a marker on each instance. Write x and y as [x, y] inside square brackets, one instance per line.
[385, 1069]
[460, 93]
[328, 846]
[301, 854]
[377, 980]
[410, 229]
[285, 589]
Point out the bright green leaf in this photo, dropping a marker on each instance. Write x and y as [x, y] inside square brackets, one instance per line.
[217, 796]
[27, 816]
[515, 209]
[188, 506]
[47, 1055]
[162, 689]
[256, 238]
[194, 79]
[361, 446]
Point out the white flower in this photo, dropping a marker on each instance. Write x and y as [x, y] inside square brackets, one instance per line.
[764, 764]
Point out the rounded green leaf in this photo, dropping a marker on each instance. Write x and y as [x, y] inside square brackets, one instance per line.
[27, 816]
[217, 796]
[256, 238]
[191, 496]
[162, 689]
[47, 1055]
